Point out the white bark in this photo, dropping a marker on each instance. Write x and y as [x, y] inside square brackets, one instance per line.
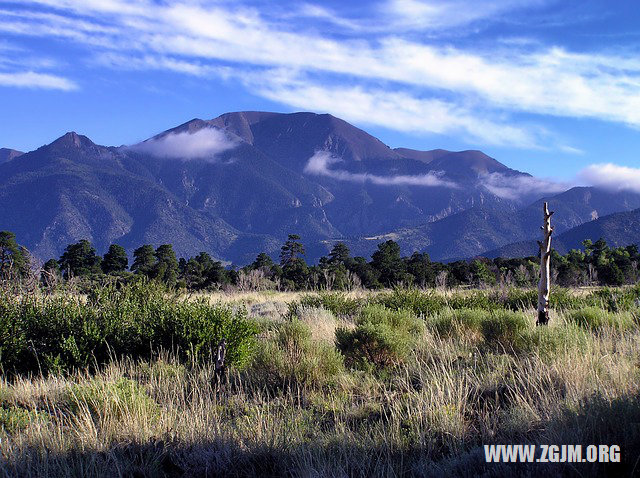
[545, 269]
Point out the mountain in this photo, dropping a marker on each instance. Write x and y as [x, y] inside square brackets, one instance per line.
[507, 231]
[7, 154]
[618, 229]
[236, 185]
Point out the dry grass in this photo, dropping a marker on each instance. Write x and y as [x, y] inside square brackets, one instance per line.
[426, 417]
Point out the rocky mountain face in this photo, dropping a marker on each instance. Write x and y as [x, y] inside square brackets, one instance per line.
[238, 184]
[618, 229]
[7, 154]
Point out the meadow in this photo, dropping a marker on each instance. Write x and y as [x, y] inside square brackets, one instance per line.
[404, 382]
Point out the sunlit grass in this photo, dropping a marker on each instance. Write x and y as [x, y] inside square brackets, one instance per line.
[466, 376]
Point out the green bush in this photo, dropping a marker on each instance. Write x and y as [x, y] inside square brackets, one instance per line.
[291, 358]
[14, 419]
[382, 337]
[520, 299]
[337, 303]
[421, 302]
[112, 399]
[614, 300]
[594, 318]
[62, 333]
[495, 329]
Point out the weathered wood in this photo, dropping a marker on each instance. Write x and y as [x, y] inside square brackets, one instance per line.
[545, 269]
[220, 356]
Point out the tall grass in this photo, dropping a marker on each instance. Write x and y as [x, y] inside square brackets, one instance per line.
[298, 406]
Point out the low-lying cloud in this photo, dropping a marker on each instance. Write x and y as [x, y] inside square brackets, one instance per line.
[612, 177]
[319, 165]
[516, 187]
[205, 143]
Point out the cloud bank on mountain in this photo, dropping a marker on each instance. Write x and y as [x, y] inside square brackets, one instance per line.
[206, 143]
[612, 177]
[319, 165]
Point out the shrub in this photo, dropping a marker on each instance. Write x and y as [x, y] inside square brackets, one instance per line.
[594, 318]
[337, 303]
[66, 333]
[382, 337]
[113, 399]
[520, 299]
[614, 300]
[291, 358]
[14, 419]
[495, 329]
[504, 328]
[423, 303]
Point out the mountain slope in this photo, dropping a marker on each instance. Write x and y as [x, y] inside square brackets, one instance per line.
[74, 189]
[7, 154]
[236, 185]
[618, 229]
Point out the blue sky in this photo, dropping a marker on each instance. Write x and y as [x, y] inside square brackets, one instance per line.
[548, 87]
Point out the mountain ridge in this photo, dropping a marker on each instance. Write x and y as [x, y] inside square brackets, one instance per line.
[268, 175]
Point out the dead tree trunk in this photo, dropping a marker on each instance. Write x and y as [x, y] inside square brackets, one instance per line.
[219, 364]
[545, 269]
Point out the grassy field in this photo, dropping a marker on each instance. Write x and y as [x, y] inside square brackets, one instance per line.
[393, 383]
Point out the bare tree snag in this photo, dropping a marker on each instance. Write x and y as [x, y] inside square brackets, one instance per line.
[219, 365]
[545, 269]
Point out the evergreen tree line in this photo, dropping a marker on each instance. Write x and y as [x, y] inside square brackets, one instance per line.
[597, 264]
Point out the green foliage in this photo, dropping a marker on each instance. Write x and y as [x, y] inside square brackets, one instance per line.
[290, 357]
[381, 338]
[115, 260]
[13, 258]
[14, 419]
[80, 259]
[202, 272]
[595, 318]
[113, 399]
[61, 333]
[337, 303]
[291, 249]
[501, 330]
[166, 265]
[420, 302]
[144, 260]
[390, 266]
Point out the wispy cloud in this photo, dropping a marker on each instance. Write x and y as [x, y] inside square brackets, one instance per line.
[436, 15]
[205, 143]
[397, 110]
[517, 187]
[475, 90]
[30, 79]
[320, 165]
[612, 177]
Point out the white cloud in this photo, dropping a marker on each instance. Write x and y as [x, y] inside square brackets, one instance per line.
[191, 36]
[205, 143]
[30, 79]
[397, 110]
[516, 187]
[320, 165]
[612, 176]
[435, 15]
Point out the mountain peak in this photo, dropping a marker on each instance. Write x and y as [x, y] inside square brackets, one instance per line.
[7, 154]
[72, 140]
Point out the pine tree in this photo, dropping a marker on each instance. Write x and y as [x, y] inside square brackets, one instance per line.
[144, 260]
[388, 263]
[80, 259]
[115, 260]
[166, 267]
[13, 257]
[291, 249]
